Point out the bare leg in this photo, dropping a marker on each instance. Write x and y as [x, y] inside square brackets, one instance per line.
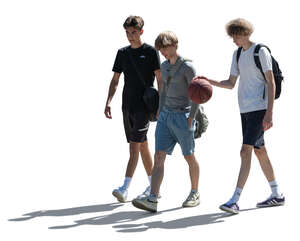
[158, 171]
[246, 153]
[146, 157]
[265, 163]
[194, 170]
[134, 150]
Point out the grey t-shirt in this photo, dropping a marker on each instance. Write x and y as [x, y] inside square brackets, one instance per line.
[175, 96]
[252, 83]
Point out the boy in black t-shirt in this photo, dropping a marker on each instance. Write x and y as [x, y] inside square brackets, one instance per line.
[135, 116]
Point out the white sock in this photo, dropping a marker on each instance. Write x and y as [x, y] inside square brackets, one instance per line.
[236, 196]
[274, 189]
[126, 184]
[150, 178]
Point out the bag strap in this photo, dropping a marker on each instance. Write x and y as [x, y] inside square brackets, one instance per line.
[183, 60]
[136, 68]
[238, 54]
[256, 57]
[258, 63]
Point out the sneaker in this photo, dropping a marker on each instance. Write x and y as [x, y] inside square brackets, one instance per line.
[145, 204]
[120, 194]
[146, 193]
[230, 208]
[192, 200]
[272, 202]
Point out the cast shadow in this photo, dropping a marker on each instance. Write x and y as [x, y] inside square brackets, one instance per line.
[174, 224]
[69, 211]
[113, 218]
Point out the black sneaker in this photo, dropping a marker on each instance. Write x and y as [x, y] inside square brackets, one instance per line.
[272, 202]
[230, 208]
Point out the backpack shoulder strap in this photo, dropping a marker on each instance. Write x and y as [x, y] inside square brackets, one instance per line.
[238, 54]
[183, 60]
[256, 57]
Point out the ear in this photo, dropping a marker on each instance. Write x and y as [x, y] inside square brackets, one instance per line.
[141, 31]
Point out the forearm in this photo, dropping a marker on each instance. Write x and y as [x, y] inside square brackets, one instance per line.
[223, 84]
[111, 92]
[271, 97]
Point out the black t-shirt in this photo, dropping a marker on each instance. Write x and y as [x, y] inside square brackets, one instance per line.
[147, 60]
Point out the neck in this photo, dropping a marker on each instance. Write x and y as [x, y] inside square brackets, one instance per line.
[137, 44]
[173, 58]
[247, 45]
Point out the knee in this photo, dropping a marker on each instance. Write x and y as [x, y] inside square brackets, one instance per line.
[144, 146]
[260, 152]
[159, 159]
[246, 152]
[134, 148]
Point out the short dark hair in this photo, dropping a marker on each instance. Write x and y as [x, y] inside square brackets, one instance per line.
[134, 21]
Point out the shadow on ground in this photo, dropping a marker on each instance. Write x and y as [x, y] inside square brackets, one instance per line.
[69, 211]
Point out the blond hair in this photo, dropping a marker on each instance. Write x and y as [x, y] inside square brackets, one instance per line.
[165, 39]
[239, 26]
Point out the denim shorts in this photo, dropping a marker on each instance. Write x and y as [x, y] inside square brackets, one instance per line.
[172, 128]
[252, 127]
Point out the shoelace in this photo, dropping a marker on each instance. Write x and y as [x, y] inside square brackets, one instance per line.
[192, 196]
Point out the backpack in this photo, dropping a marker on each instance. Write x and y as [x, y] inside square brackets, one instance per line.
[275, 68]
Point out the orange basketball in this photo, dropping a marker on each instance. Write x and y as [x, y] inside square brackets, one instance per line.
[200, 90]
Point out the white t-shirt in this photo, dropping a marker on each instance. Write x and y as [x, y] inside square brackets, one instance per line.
[251, 82]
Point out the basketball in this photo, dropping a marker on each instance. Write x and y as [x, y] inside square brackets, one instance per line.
[200, 90]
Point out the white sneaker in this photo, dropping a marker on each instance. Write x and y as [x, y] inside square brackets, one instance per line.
[146, 193]
[192, 200]
[120, 194]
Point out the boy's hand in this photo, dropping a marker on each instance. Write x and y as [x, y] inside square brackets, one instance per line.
[107, 112]
[267, 121]
[203, 77]
[190, 122]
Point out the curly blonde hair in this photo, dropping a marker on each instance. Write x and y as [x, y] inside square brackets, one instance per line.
[239, 26]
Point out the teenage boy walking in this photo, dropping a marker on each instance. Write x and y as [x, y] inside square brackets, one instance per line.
[135, 116]
[175, 122]
[256, 109]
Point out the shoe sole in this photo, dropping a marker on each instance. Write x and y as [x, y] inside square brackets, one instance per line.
[269, 205]
[229, 210]
[190, 205]
[143, 207]
[119, 197]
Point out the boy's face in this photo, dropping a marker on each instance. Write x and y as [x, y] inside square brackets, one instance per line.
[133, 35]
[240, 40]
[169, 51]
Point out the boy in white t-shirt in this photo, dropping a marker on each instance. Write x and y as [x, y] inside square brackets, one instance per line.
[256, 98]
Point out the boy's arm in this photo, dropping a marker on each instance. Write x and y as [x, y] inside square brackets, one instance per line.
[112, 90]
[268, 122]
[158, 79]
[227, 84]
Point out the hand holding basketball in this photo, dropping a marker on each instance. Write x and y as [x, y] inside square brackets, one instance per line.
[200, 90]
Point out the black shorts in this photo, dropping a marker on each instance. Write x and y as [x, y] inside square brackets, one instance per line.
[252, 126]
[136, 126]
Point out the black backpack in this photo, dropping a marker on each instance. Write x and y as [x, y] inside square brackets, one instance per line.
[275, 67]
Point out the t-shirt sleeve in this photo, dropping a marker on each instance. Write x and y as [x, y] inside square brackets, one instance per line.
[265, 59]
[118, 66]
[155, 60]
[234, 70]
[190, 73]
